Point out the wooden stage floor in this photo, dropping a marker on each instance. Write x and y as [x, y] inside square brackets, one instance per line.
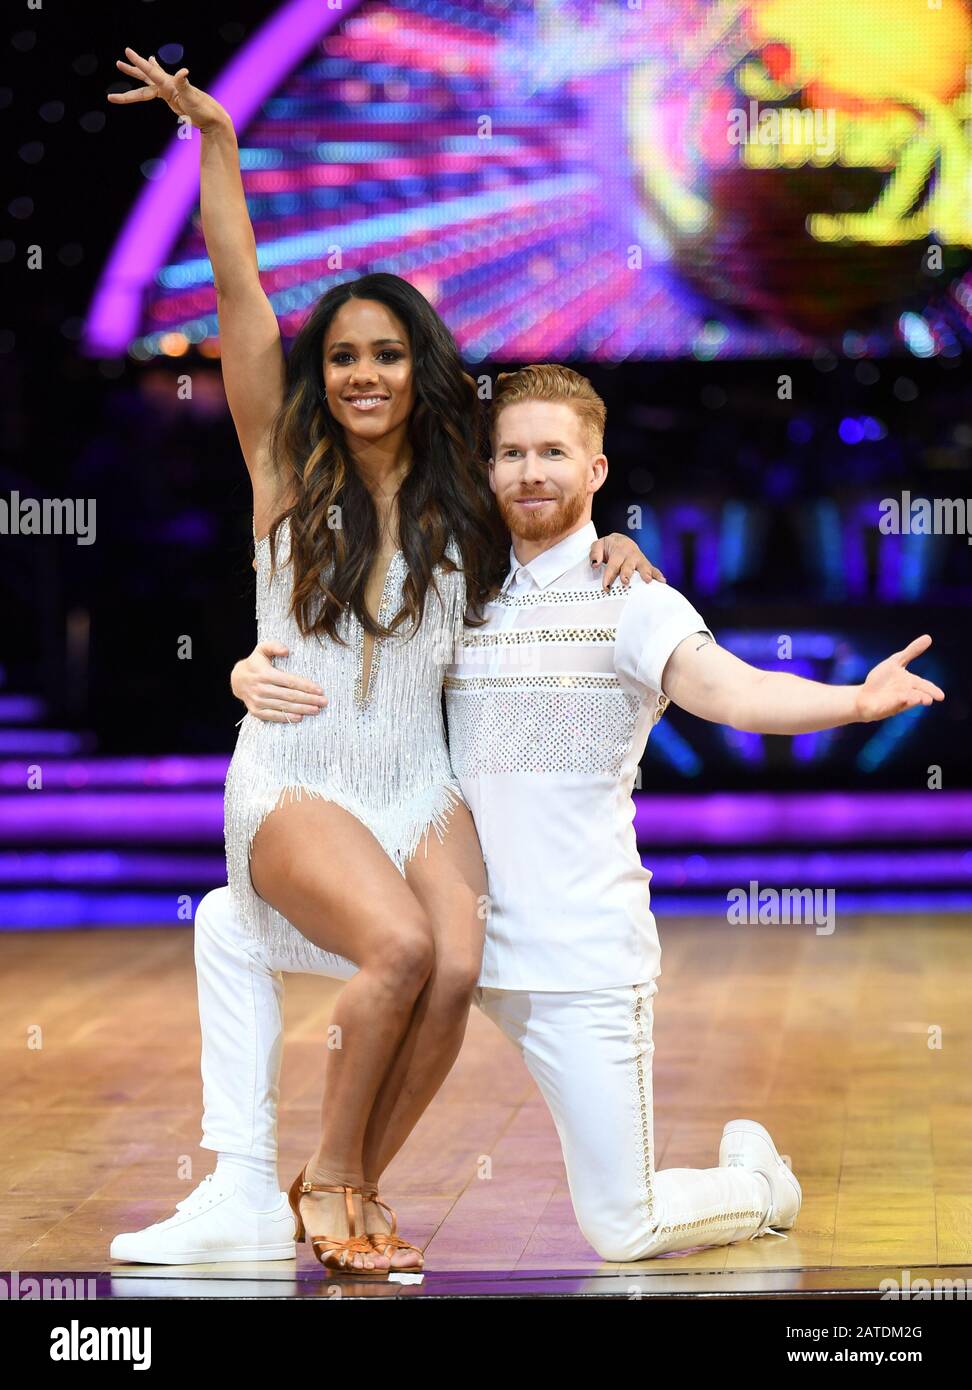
[854, 1049]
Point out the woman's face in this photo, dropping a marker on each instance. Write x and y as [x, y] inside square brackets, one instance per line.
[368, 370]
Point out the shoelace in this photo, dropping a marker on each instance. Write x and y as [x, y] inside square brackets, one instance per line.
[735, 1161]
[201, 1195]
[768, 1230]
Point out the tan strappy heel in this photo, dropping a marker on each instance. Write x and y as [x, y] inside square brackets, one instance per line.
[334, 1252]
[387, 1242]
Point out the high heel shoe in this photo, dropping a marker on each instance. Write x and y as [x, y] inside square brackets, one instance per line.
[334, 1252]
[387, 1242]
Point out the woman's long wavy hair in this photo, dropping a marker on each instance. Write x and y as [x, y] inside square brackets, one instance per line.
[445, 492]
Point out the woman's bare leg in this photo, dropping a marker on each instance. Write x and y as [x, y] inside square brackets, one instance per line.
[450, 882]
[325, 871]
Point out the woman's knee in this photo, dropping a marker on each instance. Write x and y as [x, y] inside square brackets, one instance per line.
[405, 953]
[455, 981]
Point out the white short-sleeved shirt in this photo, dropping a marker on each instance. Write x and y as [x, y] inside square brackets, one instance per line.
[550, 705]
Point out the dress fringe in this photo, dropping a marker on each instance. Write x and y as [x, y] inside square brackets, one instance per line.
[400, 837]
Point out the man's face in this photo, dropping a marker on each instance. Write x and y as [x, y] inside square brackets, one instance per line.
[542, 470]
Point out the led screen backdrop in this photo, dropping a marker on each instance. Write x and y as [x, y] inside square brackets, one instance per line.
[599, 181]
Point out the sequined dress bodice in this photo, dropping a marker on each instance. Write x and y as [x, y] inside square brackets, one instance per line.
[383, 757]
[396, 732]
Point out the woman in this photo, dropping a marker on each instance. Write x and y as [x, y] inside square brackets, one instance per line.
[375, 535]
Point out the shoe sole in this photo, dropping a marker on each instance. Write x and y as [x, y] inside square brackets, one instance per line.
[205, 1257]
[753, 1127]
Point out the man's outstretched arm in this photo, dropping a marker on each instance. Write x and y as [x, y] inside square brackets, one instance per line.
[705, 679]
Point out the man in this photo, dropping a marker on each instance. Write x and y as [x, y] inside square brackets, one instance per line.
[550, 705]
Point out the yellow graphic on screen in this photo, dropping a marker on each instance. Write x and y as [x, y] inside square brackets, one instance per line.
[880, 85]
[896, 75]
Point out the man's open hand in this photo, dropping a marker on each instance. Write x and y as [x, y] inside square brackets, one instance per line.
[890, 687]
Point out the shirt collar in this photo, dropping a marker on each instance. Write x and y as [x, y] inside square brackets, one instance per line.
[550, 564]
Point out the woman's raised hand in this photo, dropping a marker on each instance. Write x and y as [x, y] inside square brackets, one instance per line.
[175, 89]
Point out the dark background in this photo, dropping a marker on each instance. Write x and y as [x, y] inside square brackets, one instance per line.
[173, 552]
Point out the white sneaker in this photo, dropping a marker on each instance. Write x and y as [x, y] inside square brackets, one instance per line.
[746, 1144]
[213, 1223]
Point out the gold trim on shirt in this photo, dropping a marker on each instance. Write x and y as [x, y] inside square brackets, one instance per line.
[541, 634]
[561, 596]
[565, 682]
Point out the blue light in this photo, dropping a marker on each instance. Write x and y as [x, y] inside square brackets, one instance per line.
[260, 158]
[805, 747]
[734, 537]
[917, 335]
[676, 750]
[883, 743]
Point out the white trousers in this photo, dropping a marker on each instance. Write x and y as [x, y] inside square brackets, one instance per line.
[590, 1053]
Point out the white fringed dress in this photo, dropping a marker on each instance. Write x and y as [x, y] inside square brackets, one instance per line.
[384, 758]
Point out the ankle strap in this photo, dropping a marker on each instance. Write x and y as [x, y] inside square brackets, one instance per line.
[349, 1191]
[385, 1208]
[338, 1185]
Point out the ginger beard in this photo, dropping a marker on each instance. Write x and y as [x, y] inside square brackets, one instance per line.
[555, 518]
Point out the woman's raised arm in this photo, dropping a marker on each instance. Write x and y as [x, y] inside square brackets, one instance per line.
[251, 351]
